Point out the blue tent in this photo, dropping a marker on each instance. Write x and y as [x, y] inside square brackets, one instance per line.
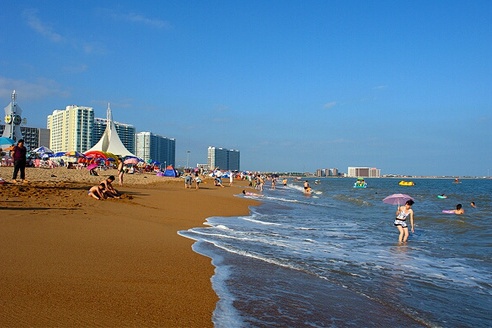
[6, 142]
[170, 172]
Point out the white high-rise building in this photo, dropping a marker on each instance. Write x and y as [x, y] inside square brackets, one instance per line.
[71, 129]
[364, 172]
[150, 146]
[224, 159]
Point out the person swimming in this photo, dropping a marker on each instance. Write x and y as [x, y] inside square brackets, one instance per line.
[459, 209]
[253, 194]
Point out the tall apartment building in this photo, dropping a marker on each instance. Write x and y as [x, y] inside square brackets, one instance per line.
[150, 146]
[126, 132]
[71, 129]
[364, 172]
[33, 137]
[223, 158]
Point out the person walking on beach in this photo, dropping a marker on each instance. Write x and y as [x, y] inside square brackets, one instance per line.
[121, 171]
[197, 181]
[402, 213]
[18, 153]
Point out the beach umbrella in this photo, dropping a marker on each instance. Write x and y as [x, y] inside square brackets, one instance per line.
[42, 150]
[96, 154]
[397, 199]
[59, 154]
[74, 153]
[131, 160]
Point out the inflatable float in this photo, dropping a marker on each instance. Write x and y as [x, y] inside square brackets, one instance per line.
[360, 183]
[442, 196]
[448, 211]
[360, 186]
[406, 183]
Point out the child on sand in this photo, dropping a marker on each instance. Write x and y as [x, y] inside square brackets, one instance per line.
[188, 179]
[97, 192]
[197, 181]
[108, 187]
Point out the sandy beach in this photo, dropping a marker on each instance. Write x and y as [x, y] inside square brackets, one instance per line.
[69, 260]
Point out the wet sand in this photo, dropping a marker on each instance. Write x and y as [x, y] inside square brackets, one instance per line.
[68, 260]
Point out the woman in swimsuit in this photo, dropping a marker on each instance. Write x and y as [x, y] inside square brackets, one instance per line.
[121, 171]
[402, 213]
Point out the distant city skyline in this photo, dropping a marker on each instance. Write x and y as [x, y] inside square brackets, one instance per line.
[295, 86]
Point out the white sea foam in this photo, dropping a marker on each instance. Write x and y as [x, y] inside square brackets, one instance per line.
[260, 222]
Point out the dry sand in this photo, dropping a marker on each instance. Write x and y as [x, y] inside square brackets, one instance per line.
[68, 260]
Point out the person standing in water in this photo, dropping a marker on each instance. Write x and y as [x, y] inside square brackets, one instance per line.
[307, 188]
[402, 213]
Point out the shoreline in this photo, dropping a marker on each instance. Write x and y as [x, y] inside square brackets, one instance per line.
[71, 260]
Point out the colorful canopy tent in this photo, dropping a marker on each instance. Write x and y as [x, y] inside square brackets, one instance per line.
[97, 156]
[170, 172]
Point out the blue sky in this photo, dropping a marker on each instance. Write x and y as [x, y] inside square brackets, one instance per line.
[404, 86]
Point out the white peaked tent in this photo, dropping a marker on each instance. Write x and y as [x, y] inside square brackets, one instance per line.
[110, 141]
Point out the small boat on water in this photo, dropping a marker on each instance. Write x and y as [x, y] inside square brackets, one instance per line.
[406, 183]
[456, 180]
[360, 183]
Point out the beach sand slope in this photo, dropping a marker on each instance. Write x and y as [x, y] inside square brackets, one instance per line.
[68, 260]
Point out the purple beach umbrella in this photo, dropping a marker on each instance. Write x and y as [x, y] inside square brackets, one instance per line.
[397, 199]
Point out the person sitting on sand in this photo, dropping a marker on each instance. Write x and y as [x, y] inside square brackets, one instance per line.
[97, 192]
[459, 210]
[108, 187]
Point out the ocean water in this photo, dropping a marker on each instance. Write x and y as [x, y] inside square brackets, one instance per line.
[333, 259]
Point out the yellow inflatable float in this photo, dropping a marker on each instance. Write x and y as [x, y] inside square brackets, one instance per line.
[406, 183]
